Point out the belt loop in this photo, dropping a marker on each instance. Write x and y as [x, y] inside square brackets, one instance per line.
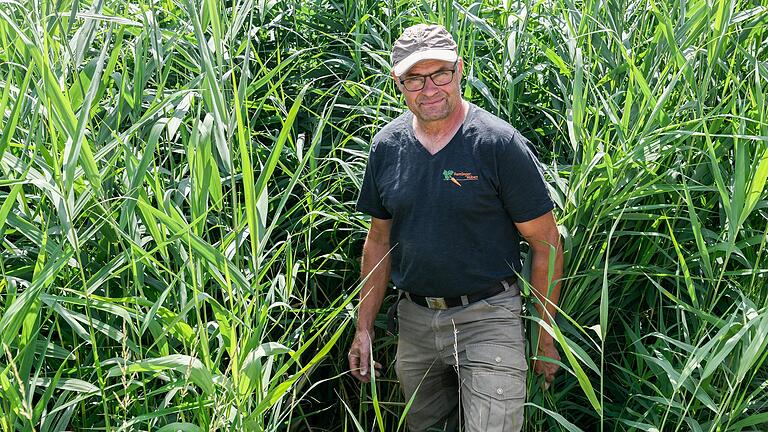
[505, 284]
[464, 300]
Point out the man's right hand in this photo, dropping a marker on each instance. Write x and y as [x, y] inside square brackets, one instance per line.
[374, 269]
[359, 356]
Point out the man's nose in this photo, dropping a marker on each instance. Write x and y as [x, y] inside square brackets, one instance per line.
[429, 86]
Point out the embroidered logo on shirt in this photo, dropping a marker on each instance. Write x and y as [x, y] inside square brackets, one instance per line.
[458, 177]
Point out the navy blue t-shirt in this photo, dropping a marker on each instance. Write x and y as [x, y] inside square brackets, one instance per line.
[453, 213]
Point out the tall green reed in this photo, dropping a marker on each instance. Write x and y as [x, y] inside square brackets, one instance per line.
[157, 230]
[177, 186]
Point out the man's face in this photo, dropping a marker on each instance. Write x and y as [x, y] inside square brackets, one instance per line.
[432, 103]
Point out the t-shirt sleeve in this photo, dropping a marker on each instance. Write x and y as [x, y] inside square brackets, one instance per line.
[522, 188]
[369, 201]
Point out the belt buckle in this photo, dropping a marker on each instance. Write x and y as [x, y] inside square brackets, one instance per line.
[436, 303]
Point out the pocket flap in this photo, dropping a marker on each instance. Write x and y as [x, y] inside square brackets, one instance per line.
[497, 356]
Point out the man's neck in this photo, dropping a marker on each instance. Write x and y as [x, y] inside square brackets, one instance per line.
[436, 135]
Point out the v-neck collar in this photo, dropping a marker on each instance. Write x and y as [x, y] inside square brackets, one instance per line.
[456, 136]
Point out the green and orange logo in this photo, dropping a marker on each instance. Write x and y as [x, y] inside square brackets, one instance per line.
[458, 177]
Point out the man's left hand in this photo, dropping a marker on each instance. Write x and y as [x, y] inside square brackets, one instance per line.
[544, 367]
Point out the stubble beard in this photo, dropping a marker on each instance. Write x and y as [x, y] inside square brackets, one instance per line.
[432, 114]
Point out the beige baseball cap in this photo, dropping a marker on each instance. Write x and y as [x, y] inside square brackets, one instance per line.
[422, 42]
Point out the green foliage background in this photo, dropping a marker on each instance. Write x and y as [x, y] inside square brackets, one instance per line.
[177, 185]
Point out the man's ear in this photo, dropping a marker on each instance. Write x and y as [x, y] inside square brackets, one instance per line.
[397, 81]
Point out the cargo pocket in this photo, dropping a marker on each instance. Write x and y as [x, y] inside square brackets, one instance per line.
[498, 385]
[495, 394]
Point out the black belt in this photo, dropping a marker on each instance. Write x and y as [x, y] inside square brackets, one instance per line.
[442, 303]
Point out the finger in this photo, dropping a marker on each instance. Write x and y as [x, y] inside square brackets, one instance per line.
[356, 364]
[363, 379]
[354, 361]
[364, 364]
[356, 373]
[555, 368]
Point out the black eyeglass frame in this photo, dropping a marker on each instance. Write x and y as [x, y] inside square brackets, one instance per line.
[424, 77]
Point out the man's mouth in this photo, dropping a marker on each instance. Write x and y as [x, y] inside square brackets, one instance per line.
[431, 103]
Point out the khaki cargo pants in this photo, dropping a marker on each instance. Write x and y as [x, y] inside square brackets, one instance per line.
[472, 354]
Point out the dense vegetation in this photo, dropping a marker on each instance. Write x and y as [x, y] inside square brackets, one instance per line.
[177, 185]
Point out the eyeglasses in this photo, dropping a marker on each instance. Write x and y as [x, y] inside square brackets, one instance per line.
[440, 78]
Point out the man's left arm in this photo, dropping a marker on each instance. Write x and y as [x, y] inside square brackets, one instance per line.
[544, 240]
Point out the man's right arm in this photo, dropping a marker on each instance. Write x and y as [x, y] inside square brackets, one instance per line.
[376, 268]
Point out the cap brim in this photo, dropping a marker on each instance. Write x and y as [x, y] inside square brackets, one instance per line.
[435, 54]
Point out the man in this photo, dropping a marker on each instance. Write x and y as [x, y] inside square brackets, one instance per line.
[450, 188]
